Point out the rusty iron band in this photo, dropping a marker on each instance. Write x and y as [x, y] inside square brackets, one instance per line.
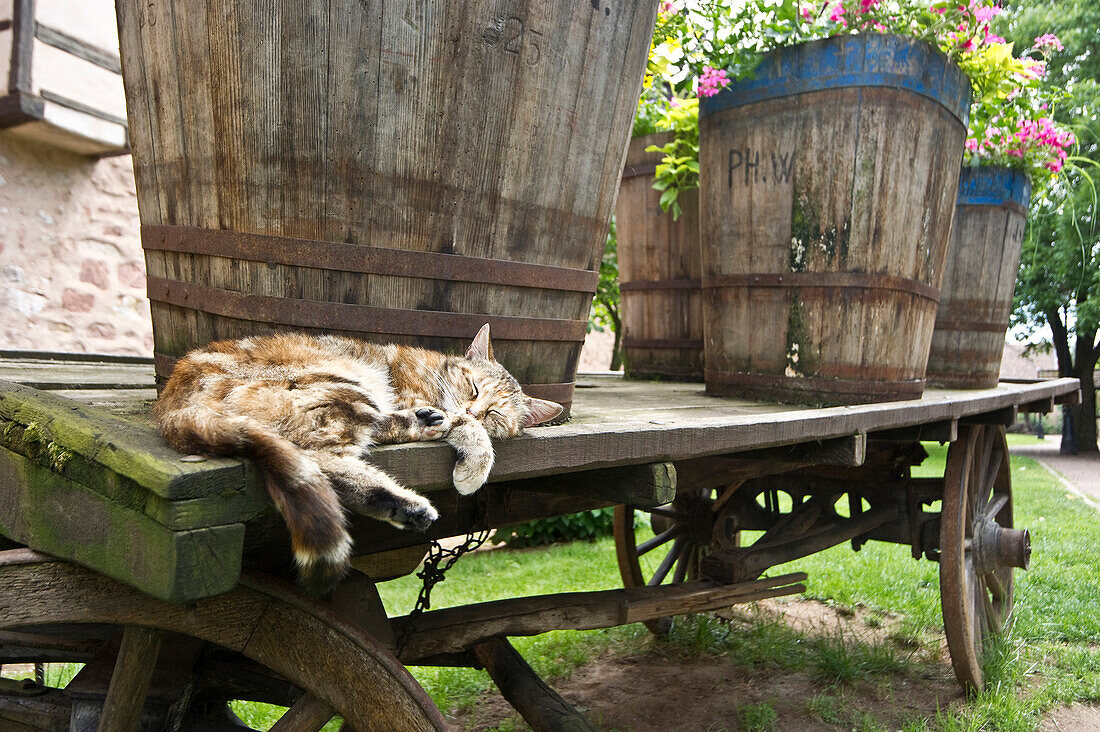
[358, 318]
[560, 393]
[977, 326]
[908, 387]
[684, 343]
[633, 171]
[832, 280]
[339, 256]
[643, 285]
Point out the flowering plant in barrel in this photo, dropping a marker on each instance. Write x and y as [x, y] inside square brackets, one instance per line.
[700, 47]
[1012, 117]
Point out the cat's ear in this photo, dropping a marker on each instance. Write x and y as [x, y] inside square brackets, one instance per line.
[481, 349]
[539, 411]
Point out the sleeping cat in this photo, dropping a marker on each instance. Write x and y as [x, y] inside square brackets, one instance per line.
[308, 409]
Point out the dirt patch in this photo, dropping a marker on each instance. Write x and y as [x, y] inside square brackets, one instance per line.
[663, 689]
[1079, 718]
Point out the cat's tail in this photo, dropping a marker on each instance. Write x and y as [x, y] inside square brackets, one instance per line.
[300, 491]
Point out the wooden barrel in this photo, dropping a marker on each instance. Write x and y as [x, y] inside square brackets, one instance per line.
[827, 189]
[659, 272]
[979, 278]
[394, 171]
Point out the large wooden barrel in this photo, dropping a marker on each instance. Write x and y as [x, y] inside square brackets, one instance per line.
[827, 190]
[659, 271]
[979, 278]
[395, 171]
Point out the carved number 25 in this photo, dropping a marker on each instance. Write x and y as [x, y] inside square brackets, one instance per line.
[517, 37]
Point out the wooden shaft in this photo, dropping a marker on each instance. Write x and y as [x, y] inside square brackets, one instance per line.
[308, 714]
[542, 707]
[130, 681]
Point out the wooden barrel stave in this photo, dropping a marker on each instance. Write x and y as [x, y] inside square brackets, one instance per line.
[979, 279]
[871, 203]
[433, 127]
[659, 268]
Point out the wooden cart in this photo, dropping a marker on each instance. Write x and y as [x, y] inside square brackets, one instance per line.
[127, 556]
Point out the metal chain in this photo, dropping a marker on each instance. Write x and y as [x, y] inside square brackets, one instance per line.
[432, 574]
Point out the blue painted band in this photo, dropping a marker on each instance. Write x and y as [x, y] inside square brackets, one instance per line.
[990, 185]
[869, 60]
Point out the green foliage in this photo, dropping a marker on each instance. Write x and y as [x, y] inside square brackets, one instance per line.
[586, 525]
[678, 170]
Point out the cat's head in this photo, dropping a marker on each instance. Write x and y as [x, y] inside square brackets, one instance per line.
[480, 386]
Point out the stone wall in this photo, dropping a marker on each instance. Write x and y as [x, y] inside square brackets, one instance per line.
[72, 276]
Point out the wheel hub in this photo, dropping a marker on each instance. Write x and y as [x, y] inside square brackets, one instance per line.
[994, 547]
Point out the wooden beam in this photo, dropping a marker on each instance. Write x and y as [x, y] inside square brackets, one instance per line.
[1068, 399]
[946, 430]
[1004, 416]
[356, 600]
[1041, 406]
[742, 563]
[719, 470]
[48, 512]
[453, 630]
[645, 486]
[308, 714]
[542, 707]
[137, 657]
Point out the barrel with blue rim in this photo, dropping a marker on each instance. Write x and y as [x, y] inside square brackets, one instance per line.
[979, 278]
[397, 171]
[827, 190]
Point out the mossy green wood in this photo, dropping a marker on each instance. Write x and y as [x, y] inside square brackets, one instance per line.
[128, 462]
[53, 514]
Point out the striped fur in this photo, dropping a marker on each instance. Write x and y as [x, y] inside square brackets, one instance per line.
[308, 409]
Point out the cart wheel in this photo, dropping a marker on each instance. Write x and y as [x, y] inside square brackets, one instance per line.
[278, 635]
[685, 531]
[978, 548]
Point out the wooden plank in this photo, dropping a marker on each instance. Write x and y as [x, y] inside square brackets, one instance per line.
[541, 707]
[1004, 416]
[308, 714]
[56, 374]
[49, 711]
[639, 485]
[123, 446]
[453, 630]
[51, 513]
[619, 423]
[1041, 406]
[946, 430]
[193, 513]
[130, 681]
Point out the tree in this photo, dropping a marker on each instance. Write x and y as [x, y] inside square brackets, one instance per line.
[1059, 279]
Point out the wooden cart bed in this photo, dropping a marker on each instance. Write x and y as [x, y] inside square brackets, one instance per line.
[84, 477]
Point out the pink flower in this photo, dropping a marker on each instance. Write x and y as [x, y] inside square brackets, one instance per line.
[807, 12]
[984, 13]
[1048, 42]
[993, 38]
[711, 80]
[667, 6]
[866, 5]
[837, 14]
[1054, 166]
[972, 145]
[938, 11]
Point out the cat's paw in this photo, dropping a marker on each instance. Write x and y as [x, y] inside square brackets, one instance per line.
[417, 514]
[471, 470]
[433, 423]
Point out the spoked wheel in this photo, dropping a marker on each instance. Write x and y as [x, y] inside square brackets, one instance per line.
[268, 638]
[978, 548]
[684, 532]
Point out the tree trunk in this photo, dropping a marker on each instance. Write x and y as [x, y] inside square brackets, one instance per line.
[617, 348]
[1083, 415]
